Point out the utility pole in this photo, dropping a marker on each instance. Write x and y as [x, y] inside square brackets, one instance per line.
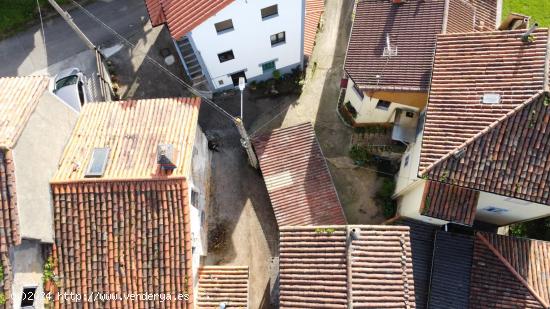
[245, 141]
[71, 23]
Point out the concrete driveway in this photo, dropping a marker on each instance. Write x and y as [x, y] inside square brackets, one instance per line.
[317, 104]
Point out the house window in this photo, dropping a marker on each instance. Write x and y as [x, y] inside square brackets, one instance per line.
[278, 38]
[195, 198]
[220, 82]
[495, 210]
[27, 299]
[406, 161]
[358, 91]
[268, 66]
[383, 104]
[269, 11]
[98, 162]
[224, 26]
[226, 56]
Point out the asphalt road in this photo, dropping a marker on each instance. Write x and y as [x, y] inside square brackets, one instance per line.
[25, 52]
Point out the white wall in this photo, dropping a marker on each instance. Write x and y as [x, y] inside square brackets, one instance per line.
[366, 107]
[250, 39]
[513, 210]
[36, 156]
[199, 182]
[27, 272]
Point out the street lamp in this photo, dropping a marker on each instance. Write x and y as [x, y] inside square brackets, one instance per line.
[242, 85]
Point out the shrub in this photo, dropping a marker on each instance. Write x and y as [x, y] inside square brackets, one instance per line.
[277, 74]
[384, 197]
[49, 271]
[2, 298]
[360, 154]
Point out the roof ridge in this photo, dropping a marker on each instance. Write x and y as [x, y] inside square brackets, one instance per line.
[511, 268]
[483, 132]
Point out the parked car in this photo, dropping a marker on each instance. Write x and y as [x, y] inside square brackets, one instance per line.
[68, 85]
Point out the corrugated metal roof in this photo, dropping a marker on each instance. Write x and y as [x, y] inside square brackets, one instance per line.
[297, 177]
[318, 270]
[223, 284]
[451, 266]
[314, 10]
[19, 97]
[132, 130]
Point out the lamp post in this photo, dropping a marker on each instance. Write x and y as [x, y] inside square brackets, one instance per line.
[242, 85]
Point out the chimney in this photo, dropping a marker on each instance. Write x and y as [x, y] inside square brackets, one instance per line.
[528, 37]
[165, 157]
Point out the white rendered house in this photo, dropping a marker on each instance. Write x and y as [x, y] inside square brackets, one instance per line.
[222, 41]
[481, 151]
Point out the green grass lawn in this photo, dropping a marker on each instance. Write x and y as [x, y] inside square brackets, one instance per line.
[16, 14]
[539, 10]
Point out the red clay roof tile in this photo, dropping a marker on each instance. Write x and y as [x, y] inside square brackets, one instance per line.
[297, 177]
[123, 237]
[501, 147]
[515, 278]
[223, 284]
[321, 268]
[314, 10]
[181, 16]
[449, 202]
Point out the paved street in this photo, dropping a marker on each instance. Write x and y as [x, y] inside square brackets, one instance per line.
[25, 53]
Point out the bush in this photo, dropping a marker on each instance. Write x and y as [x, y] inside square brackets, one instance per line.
[2, 298]
[384, 197]
[537, 229]
[277, 74]
[360, 154]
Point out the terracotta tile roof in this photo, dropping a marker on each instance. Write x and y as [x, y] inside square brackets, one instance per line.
[314, 265]
[449, 202]
[501, 147]
[509, 272]
[182, 16]
[486, 14]
[19, 97]
[223, 284]
[156, 14]
[314, 10]
[461, 17]
[9, 222]
[132, 130]
[297, 177]
[412, 27]
[123, 237]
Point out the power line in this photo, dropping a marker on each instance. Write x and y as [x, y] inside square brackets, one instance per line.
[41, 24]
[156, 63]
